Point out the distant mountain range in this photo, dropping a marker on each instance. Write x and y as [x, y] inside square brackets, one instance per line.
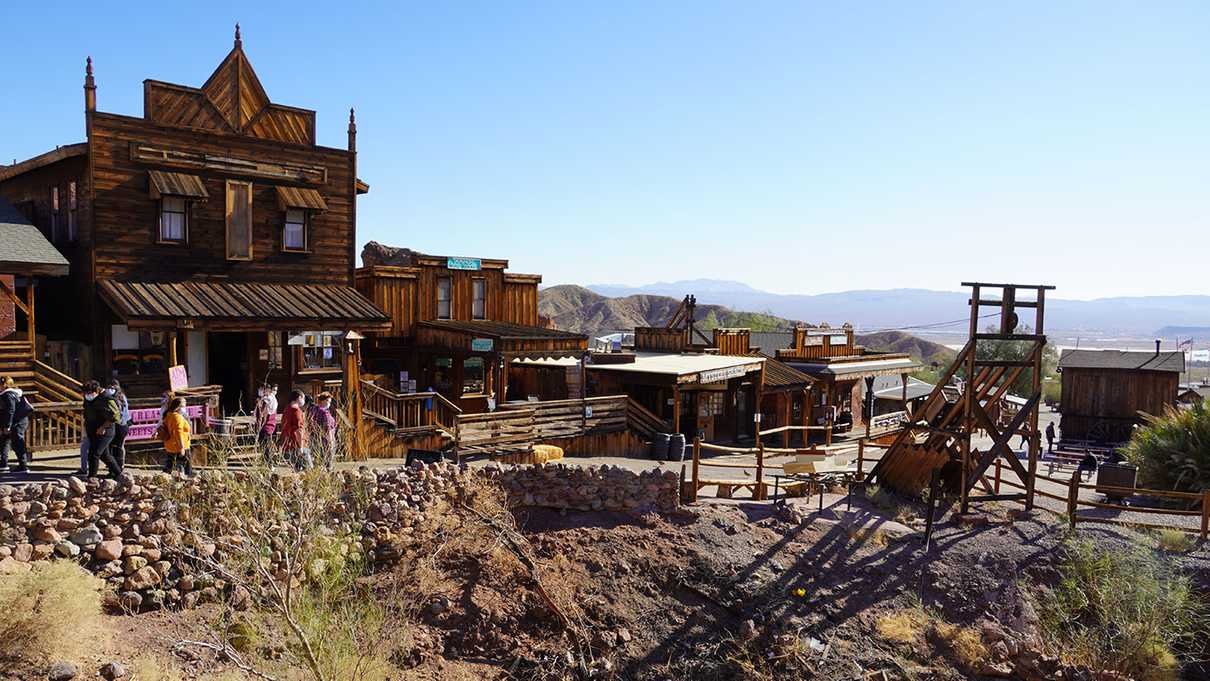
[575, 308]
[1141, 316]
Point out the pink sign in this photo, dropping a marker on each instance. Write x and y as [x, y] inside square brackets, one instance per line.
[177, 377]
[144, 431]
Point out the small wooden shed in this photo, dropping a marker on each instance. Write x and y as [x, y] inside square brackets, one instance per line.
[1106, 392]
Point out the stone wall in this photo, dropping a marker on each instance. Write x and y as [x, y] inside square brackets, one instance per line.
[128, 533]
[596, 488]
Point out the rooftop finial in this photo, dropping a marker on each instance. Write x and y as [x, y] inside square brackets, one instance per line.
[352, 117]
[238, 41]
[88, 66]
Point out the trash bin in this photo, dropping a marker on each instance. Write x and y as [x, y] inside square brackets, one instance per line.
[1115, 475]
[659, 447]
[676, 447]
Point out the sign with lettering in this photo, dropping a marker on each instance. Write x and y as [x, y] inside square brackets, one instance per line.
[178, 378]
[145, 421]
[473, 264]
[720, 375]
[481, 345]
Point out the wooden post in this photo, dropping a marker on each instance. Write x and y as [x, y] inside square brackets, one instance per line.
[353, 398]
[676, 409]
[904, 378]
[934, 485]
[760, 470]
[697, 457]
[860, 459]
[789, 411]
[172, 348]
[1073, 496]
[999, 467]
[1205, 514]
[29, 317]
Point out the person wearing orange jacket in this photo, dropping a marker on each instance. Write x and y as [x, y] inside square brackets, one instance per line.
[176, 438]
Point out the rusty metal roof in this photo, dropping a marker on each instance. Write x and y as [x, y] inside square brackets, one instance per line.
[164, 183]
[256, 305]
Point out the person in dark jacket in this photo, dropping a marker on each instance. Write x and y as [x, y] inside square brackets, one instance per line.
[14, 420]
[122, 427]
[101, 416]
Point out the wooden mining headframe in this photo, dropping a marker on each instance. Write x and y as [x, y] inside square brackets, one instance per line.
[941, 431]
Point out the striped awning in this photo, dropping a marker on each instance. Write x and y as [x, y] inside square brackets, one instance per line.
[231, 305]
[297, 197]
[164, 183]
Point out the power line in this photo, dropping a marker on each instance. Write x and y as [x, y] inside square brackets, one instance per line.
[932, 325]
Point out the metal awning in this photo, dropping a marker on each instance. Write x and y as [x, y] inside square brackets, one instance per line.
[298, 197]
[231, 305]
[164, 183]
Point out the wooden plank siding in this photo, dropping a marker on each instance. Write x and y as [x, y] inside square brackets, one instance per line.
[126, 217]
[1099, 403]
[409, 294]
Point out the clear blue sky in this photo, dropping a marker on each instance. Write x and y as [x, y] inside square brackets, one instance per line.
[798, 146]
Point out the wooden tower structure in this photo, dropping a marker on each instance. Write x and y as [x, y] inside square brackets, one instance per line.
[941, 433]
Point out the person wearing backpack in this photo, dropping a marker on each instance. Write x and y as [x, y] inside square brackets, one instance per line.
[101, 416]
[14, 420]
[174, 432]
[122, 427]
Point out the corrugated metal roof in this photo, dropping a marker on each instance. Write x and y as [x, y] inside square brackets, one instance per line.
[176, 184]
[290, 306]
[869, 365]
[671, 363]
[298, 197]
[23, 249]
[891, 388]
[1122, 359]
[769, 342]
[782, 376]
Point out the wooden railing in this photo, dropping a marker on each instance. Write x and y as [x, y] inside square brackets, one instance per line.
[55, 386]
[410, 411]
[55, 426]
[571, 418]
[1197, 503]
[643, 422]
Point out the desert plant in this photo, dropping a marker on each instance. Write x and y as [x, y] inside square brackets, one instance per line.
[1172, 450]
[1174, 541]
[1127, 611]
[54, 609]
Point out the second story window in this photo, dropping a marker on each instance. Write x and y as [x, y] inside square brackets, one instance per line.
[444, 297]
[239, 220]
[71, 211]
[479, 304]
[174, 220]
[294, 235]
[54, 213]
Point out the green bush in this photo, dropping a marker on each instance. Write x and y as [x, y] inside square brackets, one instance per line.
[1122, 610]
[1173, 451]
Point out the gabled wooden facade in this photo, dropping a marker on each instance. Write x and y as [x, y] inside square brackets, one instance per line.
[215, 185]
[458, 325]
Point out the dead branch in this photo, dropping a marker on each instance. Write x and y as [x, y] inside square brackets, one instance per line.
[226, 652]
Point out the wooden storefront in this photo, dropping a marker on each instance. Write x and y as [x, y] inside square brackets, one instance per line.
[461, 327]
[210, 231]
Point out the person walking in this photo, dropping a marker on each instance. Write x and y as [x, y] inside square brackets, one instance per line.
[294, 433]
[176, 438]
[14, 420]
[266, 421]
[321, 426]
[1050, 438]
[122, 427]
[100, 420]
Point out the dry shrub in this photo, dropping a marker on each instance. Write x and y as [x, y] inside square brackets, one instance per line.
[53, 610]
[148, 668]
[1174, 541]
[963, 645]
[868, 535]
[902, 626]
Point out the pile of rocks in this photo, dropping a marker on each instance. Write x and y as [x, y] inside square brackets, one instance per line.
[596, 488]
[129, 532]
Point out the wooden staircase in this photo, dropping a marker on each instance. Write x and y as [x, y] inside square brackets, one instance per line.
[40, 381]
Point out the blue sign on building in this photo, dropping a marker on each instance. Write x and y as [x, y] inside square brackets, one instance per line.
[463, 264]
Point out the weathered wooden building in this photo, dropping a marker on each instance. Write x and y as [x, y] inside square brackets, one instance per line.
[462, 327]
[844, 370]
[212, 231]
[1106, 391]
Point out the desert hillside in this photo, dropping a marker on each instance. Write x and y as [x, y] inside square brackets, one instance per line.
[575, 308]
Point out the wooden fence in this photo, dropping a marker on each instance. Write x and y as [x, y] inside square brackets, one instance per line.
[1198, 503]
[410, 412]
[756, 484]
[515, 428]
